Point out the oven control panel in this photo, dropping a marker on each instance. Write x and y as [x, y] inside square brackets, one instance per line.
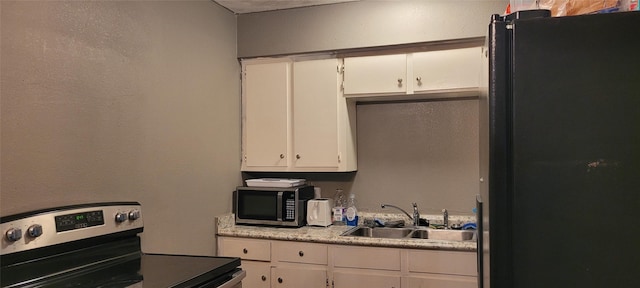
[70, 223]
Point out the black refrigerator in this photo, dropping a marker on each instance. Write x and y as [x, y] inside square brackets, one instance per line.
[560, 152]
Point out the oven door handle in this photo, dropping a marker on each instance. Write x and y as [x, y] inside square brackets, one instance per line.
[235, 279]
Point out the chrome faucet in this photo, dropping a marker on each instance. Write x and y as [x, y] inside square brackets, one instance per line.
[445, 216]
[416, 214]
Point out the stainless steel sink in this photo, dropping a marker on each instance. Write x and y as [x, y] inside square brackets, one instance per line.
[438, 234]
[410, 233]
[378, 232]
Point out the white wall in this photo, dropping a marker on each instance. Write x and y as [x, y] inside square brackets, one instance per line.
[122, 100]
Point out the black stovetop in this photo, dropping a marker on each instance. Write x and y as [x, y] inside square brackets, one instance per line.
[121, 269]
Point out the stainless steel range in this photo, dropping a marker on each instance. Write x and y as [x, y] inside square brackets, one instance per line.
[97, 245]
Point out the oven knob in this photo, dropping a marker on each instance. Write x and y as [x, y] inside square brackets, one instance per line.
[34, 230]
[14, 234]
[121, 217]
[134, 214]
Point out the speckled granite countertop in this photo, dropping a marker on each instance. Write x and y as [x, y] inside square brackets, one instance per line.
[331, 235]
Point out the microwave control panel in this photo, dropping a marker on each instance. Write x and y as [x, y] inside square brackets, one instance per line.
[290, 208]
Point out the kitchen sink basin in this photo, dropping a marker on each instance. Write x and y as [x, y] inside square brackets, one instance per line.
[411, 233]
[438, 234]
[379, 232]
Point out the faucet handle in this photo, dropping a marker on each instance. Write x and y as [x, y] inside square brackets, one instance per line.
[445, 216]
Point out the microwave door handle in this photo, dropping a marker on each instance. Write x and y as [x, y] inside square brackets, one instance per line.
[279, 206]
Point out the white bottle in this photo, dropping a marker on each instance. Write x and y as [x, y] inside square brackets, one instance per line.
[352, 212]
[339, 202]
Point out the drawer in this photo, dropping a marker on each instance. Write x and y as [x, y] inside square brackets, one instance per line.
[366, 278]
[366, 257]
[249, 249]
[308, 253]
[443, 262]
[298, 277]
[437, 280]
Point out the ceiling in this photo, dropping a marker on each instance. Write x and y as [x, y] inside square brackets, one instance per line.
[252, 6]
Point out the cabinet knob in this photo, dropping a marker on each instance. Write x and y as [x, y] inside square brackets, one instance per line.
[419, 80]
[399, 81]
[279, 280]
[298, 156]
[281, 156]
[300, 253]
[264, 278]
[245, 251]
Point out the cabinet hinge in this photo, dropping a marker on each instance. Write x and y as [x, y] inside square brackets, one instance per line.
[340, 69]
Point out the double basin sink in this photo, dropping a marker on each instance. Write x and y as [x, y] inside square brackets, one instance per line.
[411, 233]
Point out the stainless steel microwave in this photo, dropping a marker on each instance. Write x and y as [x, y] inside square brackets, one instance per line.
[272, 206]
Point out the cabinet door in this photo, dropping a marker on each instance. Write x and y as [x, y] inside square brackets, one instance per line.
[266, 114]
[300, 276]
[375, 74]
[315, 113]
[258, 274]
[447, 69]
[365, 279]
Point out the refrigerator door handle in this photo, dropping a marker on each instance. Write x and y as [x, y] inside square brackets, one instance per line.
[480, 242]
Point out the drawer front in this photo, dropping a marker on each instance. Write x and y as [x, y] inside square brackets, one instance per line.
[309, 253]
[343, 279]
[448, 281]
[298, 277]
[245, 248]
[366, 258]
[443, 262]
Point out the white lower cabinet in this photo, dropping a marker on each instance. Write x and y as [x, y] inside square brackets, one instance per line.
[281, 264]
[435, 269]
[439, 281]
[255, 257]
[258, 274]
[366, 267]
[366, 278]
[299, 264]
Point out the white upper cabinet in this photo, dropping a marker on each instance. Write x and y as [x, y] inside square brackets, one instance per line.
[429, 74]
[315, 114]
[266, 98]
[375, 74]
[446, 69]
[314, 130]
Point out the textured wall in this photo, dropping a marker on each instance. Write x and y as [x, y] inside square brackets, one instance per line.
[363, 24]
[424, 152]
[122, 100]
